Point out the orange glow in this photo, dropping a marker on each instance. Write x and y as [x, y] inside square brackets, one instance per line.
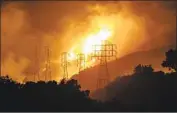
[74, 28]
[120, 28]
[86, 47]
[91, 39]
[112, 27]
[72, 56]
[103, 34]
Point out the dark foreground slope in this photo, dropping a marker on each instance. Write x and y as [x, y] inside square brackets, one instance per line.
[153, 91]
[42, 96]
[122, 66]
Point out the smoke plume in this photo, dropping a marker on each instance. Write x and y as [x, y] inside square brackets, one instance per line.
[61, 25]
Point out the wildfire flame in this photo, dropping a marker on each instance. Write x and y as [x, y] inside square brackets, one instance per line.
[93, 39]
[103, 34]
[115, 27]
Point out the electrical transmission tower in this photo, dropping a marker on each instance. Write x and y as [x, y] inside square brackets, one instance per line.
[36, 72]
[103, 52]
[81, 61]
[64, 64]
[48, 71]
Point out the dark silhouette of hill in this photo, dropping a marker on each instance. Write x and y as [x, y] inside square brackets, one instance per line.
[122, 66]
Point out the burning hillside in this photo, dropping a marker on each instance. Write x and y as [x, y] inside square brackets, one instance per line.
[74, 27]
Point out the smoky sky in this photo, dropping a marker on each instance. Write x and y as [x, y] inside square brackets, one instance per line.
[25, 24]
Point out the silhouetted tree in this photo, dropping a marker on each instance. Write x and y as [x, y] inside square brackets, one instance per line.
[171, 60]
[147, 91]
[45, 96]
[140, 69]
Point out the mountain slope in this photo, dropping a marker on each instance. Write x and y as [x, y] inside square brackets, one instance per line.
[122, 66]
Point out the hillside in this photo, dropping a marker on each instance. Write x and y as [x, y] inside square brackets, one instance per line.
[122, 66]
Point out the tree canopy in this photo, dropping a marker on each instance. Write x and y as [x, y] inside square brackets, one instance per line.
[171, 60]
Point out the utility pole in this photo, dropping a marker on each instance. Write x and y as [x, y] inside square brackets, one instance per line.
[103, 52]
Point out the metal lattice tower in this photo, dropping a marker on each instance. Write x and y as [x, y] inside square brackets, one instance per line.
[64, 64]
[48, 65]
[103, 52]
[36, 72]
[81, 61]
